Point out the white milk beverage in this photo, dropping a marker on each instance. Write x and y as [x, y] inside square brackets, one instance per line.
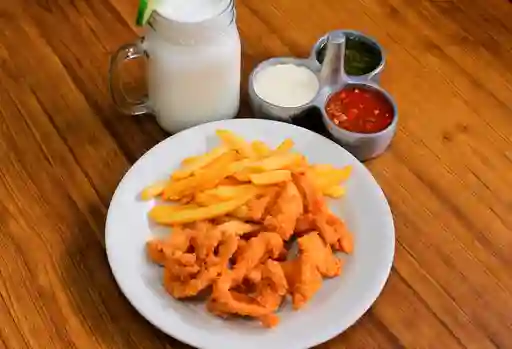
[194, 62]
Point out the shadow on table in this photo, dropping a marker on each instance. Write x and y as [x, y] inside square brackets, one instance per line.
[98, 303]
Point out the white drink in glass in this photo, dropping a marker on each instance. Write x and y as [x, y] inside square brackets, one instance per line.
[194, 63]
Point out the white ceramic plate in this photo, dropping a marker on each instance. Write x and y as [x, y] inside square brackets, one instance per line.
[339, 303]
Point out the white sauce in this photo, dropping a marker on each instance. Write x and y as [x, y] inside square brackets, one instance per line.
[286, 85]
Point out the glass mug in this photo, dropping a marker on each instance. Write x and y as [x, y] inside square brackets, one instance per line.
[193, 70]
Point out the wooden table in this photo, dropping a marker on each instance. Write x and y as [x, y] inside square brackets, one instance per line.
[448, 175]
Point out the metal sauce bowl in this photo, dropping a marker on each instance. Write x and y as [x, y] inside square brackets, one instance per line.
[263, 109]
[363, 146]
[374, 75]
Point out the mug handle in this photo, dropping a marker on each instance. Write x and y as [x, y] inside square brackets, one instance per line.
[126, 105]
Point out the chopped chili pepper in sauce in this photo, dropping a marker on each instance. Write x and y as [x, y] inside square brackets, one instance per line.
[360, 110]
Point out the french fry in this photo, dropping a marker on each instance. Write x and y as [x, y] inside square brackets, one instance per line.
[322, 167]
[204, 178]
[235, 142]
[230, 192]
[245, 175]
[277, 162]
[241, 165]
[242, 169]
[271, 177]
[334, 192]
[222, 169]
[199, 162]
[326, 178]
[230, 181]
[153, 190]
[260, 149]
[167, 215]
[301, 165]
[178, 207]
[221, 193]
[188, 161]
[175, 190]
[187, 199]
[284, 147]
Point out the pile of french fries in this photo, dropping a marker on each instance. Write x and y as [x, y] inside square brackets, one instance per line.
[223, 180]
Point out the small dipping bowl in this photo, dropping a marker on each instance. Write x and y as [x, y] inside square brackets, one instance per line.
[353, 35]
[266, 110]
[363, 146]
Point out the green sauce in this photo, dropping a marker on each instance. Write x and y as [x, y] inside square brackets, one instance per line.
[360, 57]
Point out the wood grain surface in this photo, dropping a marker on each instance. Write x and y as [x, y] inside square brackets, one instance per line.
[448, 175]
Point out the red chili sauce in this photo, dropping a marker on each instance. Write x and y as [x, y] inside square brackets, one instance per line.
[360, 110]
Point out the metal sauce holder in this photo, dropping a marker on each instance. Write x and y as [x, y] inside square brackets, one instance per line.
[332, 78]
[374, 75]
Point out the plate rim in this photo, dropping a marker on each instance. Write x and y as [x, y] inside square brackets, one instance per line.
[329, 332]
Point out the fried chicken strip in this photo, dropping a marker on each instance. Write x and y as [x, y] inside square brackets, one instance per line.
[272, 287]
[267, 298]
[237, 227]
[256, 209]
[183, 281]
[330, 227]
[287, 209]
[178, 241]
[305, 273]
[257, 250]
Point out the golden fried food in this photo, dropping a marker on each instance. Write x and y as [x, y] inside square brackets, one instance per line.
[182, 266]
[266, 298]
[190, 286]
[314, 201]
[316, 252]
[153, 190]
[328, 179]
[255, 210]
[165, 214]
[212, 251]
[271, 177]
[159, 250]
[285, 146]
[272, 286]
[205, 239]
[260, 149]
[320, 218]
[342, 239]
[233, 212]
[235, 142]
[288, 208]
[231, 302]
[277, 162]
[237, 227]
[305, 274]
[222, 193]
[258, 249]
[199, 163]
[334, 192]
[155, 250]
[305, 224]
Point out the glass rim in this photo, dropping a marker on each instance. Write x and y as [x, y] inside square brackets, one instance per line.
[230, 7]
